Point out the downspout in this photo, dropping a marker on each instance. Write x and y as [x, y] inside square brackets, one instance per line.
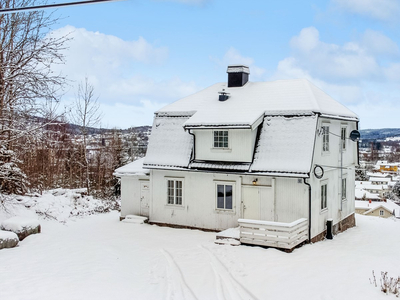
[194, 148]
[309, 209]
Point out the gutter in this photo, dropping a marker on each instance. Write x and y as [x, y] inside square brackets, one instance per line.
[194, 148]
[309, 209]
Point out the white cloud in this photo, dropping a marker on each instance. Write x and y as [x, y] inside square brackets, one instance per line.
[349, 61]
[363, 74]
[116, 68]
[233, 57]
[97, 53]
[384, 10]
[379, 44]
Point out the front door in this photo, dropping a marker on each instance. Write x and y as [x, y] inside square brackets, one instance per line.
[258, 203]
[144, 198]
[251, 202]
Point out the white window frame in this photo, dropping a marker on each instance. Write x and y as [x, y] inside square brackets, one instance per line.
[324, 196]
[343, 137]
[344, 188]
[218, 145]
[381, 212]
[175, 191]
[325, 138]
[224, 184]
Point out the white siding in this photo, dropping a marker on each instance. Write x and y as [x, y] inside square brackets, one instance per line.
[130, 194]
[291, 199]
[241, 146]
[332, 175]
[288, 198]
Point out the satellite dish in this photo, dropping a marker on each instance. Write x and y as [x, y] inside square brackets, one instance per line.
[355, 135]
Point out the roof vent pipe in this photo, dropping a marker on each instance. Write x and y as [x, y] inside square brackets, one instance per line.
[238, 75]
[223, 96]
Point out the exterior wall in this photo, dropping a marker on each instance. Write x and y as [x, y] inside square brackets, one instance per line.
[290, 199]
[337, 209]
[130, 194]
[241, 145]
[375, 213]
[360, 211]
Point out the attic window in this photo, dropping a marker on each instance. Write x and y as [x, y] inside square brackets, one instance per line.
[221, 139]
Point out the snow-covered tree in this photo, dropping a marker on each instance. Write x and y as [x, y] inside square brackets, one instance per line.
[12, 179]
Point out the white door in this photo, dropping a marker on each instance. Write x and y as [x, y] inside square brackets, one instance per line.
[251, 202]
[258, 203]
[144, 198]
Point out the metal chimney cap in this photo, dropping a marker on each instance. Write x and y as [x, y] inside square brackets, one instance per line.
[238, 69]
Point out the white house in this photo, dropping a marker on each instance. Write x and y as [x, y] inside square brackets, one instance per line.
[270, 156]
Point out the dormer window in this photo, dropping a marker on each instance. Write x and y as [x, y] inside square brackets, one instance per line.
[221, 139]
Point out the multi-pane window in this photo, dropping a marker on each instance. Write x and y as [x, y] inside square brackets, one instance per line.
[381, 212]
[324, 196]
[325, 138]
[224, 196]
[344, 188]
[343, 138]
[175, 192]
[220, 138]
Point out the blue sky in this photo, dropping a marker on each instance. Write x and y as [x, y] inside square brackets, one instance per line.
[141, 55]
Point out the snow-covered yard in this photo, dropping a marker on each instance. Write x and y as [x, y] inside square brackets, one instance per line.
[99, 257]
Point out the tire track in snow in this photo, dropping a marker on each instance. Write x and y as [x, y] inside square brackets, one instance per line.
[226, 283]
[177, 286]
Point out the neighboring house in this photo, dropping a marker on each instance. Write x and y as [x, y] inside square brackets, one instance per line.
[378, 189]
[263, 155]
[383, 209]
[386, 167]
[361, 194]
[380, 180]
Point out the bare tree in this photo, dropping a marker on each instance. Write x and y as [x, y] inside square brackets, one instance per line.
[27, 52]
[86, 113]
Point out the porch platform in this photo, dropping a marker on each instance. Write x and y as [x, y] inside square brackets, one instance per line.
[273, 234]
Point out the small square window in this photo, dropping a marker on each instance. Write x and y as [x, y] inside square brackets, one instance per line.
[221, 139]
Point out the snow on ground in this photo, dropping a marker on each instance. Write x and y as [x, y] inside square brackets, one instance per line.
[99, 257]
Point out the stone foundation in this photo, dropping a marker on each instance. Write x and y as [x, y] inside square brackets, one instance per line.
[343, 225]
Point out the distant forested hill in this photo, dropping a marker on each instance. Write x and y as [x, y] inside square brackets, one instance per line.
[379, 134]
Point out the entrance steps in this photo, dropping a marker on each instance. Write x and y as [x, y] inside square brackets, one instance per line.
[135, 219]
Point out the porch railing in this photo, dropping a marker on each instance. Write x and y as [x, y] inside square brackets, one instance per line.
[273, 234]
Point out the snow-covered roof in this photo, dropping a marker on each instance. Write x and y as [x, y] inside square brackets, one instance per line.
[389, 205]
[247, 104]
[285, 145]
[361, 193]
[232, 166]
[379, 179]
[133, 168]
[370, 186]
[169, 144]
